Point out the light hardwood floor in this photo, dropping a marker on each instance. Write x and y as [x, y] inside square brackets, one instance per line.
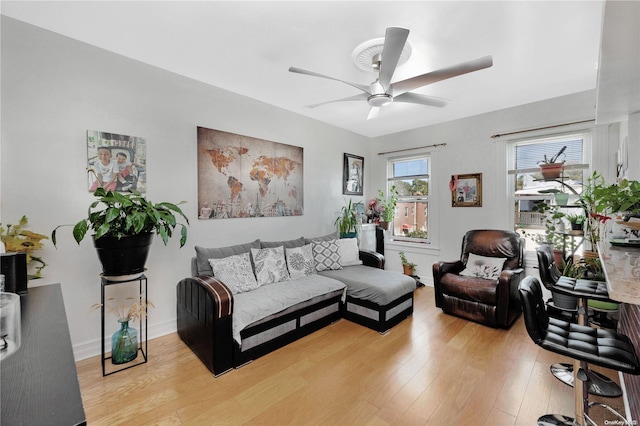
[431, 369]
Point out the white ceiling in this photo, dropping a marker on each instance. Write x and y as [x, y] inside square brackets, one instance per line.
[540, 49]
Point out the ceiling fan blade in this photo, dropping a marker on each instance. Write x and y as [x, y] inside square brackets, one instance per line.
[394, 41]
[416, 98]
[373, 113]
[297, 70]
[400, 87]
[358, 97]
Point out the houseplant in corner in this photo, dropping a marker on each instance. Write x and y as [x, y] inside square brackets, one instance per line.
[123, 226]
[409, 267]
[387, 206]
[347, 220]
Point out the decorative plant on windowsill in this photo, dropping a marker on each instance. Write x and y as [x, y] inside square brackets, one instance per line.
[348, 220]
[387, 206]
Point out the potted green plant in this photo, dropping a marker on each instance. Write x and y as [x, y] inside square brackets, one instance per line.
[347, 220]
[408, 267]
[123, 225]
[561, 198]
[554, 228]
[576, 220]
[387, 206]
[623, 198]
[592, 198]
[551, 168]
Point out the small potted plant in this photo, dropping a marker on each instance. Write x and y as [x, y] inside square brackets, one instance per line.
[576, 220]
[409, 267]
[123, 226]
[552, 168]
[347, 220]
[387, 206]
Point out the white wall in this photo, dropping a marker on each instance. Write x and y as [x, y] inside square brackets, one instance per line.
[54, 89]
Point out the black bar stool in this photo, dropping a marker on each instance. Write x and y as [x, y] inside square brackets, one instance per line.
[585, 344]
[580, 290]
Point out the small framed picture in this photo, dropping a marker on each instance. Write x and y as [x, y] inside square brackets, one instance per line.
[352, 175]
[466, 190]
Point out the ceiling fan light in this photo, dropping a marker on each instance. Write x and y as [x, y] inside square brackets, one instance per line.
[380, 100]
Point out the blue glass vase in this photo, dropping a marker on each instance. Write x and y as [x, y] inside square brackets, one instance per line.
[124, 343]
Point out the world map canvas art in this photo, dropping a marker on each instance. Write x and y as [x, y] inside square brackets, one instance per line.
[240, 176]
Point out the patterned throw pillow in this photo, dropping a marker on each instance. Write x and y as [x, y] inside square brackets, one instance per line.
[300, 261]
[326, 254]
[270, 265]
[349, 252]
[483, 267]
[235, 272]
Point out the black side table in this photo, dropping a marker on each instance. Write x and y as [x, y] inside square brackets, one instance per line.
[39, 381]
[142, 328]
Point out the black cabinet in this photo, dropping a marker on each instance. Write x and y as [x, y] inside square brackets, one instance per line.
[39, 381]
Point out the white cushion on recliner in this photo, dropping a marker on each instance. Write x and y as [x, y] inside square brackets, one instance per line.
[483, 267]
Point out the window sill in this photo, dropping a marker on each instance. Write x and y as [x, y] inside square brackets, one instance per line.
[426, 248]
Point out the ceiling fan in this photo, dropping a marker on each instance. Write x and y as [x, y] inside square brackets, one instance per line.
[382, 92]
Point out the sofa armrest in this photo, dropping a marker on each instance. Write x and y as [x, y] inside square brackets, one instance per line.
[372, 258]
[204, 309]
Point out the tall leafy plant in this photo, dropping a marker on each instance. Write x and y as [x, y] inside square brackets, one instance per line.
[115, 214]
[348, 219]
[388, 204]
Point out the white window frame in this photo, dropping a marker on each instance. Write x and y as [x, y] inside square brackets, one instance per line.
[432, 216]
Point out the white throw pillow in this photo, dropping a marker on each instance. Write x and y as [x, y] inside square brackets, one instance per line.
[270, 264]
[483, 267]
[235, 272]
[349, 252]
[300, 261]
[326, 254]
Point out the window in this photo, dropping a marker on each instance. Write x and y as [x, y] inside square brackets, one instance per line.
[529, 188]
[410, 177]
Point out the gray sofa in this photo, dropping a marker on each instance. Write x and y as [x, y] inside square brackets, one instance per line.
[226, 329]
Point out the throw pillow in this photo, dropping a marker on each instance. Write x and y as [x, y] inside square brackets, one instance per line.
[300, 261]
[326, 254]
[203, 254]
[349, 252]
[483, 267]
[270, 265]
[235, 272]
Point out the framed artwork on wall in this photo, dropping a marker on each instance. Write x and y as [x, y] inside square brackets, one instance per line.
[466, 190]
[240, 176]
[116, 162]
[352, 175]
